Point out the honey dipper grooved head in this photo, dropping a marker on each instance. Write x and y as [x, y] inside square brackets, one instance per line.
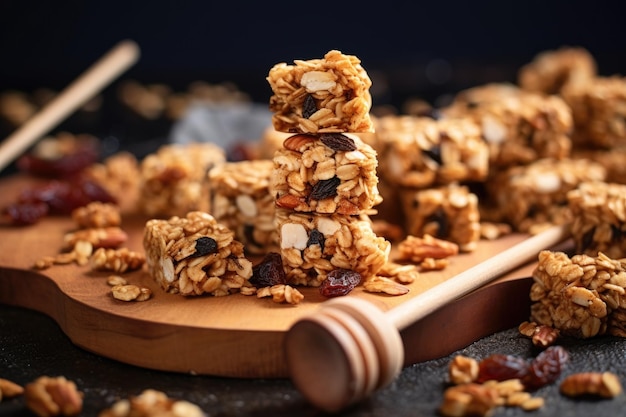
[343, 352]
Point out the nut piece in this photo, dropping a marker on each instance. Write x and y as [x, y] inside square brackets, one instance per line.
[416, 249]
[117, 260]
[462, 370]
[48, 396]
[129, 292]
[9, 389]
[468, 400]
[152, 403]
[541, 335]
[605, 384]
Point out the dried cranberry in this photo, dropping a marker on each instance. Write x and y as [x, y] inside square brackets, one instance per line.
[500, 367]
[269, 271]
[26, 213]
[86, 152]
[546, 367]
[339, 282]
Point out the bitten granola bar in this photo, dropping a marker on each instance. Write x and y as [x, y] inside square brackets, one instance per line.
[533, 196]
[241, 200]
[599, 112]
[321, 95]
[448, 212]
[419, 151]
[312, 245]
[519, 127]
[553, 71]
[581, 296]
[599, 218]
[173, 179]
[329, 173]
[195, 255]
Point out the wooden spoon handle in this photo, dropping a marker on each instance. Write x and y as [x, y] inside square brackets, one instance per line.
[94, 79]
[419, 307]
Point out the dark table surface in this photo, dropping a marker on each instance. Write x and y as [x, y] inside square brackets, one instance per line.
[32, 344]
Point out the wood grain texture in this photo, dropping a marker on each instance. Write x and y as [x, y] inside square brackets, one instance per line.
[235, 336]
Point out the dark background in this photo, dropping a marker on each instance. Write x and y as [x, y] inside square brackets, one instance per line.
[410, 48]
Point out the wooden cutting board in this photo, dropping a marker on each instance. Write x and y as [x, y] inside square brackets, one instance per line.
[235, 336]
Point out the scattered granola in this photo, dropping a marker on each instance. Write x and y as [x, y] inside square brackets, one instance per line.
[97, 214]
[281, 293]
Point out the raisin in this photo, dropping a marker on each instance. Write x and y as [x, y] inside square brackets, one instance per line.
[325, 188]
[316, 238]
[308, 106]
[26, 213]
[269, 271]
[443, 225]
[339, 282]
[204, 246]
[338, 142]
[546, 367]
[434, 153]
[587, 240]
[500, 367]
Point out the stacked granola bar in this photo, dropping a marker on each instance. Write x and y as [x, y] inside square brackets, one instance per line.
[324, 180]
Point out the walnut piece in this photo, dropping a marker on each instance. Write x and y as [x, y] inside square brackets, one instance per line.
[53, 396]
[462, 370]
[417, 249]
[541, 335]
[152, 403]
[601, 384]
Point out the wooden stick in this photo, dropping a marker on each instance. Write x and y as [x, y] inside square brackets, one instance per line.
[91, 82]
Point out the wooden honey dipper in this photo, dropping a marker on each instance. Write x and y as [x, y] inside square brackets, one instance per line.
[348, 348]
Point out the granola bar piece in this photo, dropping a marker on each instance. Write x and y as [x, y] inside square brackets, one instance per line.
[599, 112]
[195, 255]
[533, 196]
[518, 126]
[552, 71]
[313, 245]
[329, 173]
[321, 95]
[174, 178]
[599, 218]
[582, 296]
[448, 212]
[419, 151]
[241, 200]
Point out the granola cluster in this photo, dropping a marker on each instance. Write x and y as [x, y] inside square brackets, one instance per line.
[419, 152]
[599, 218]
[321, 95]
[534, 196]
[151, 402]
[333, 173]
[314, 245]
[581, 296]
[448, 212]
[195, 255]
[520, 126]
[173, 179]
[242, 201]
